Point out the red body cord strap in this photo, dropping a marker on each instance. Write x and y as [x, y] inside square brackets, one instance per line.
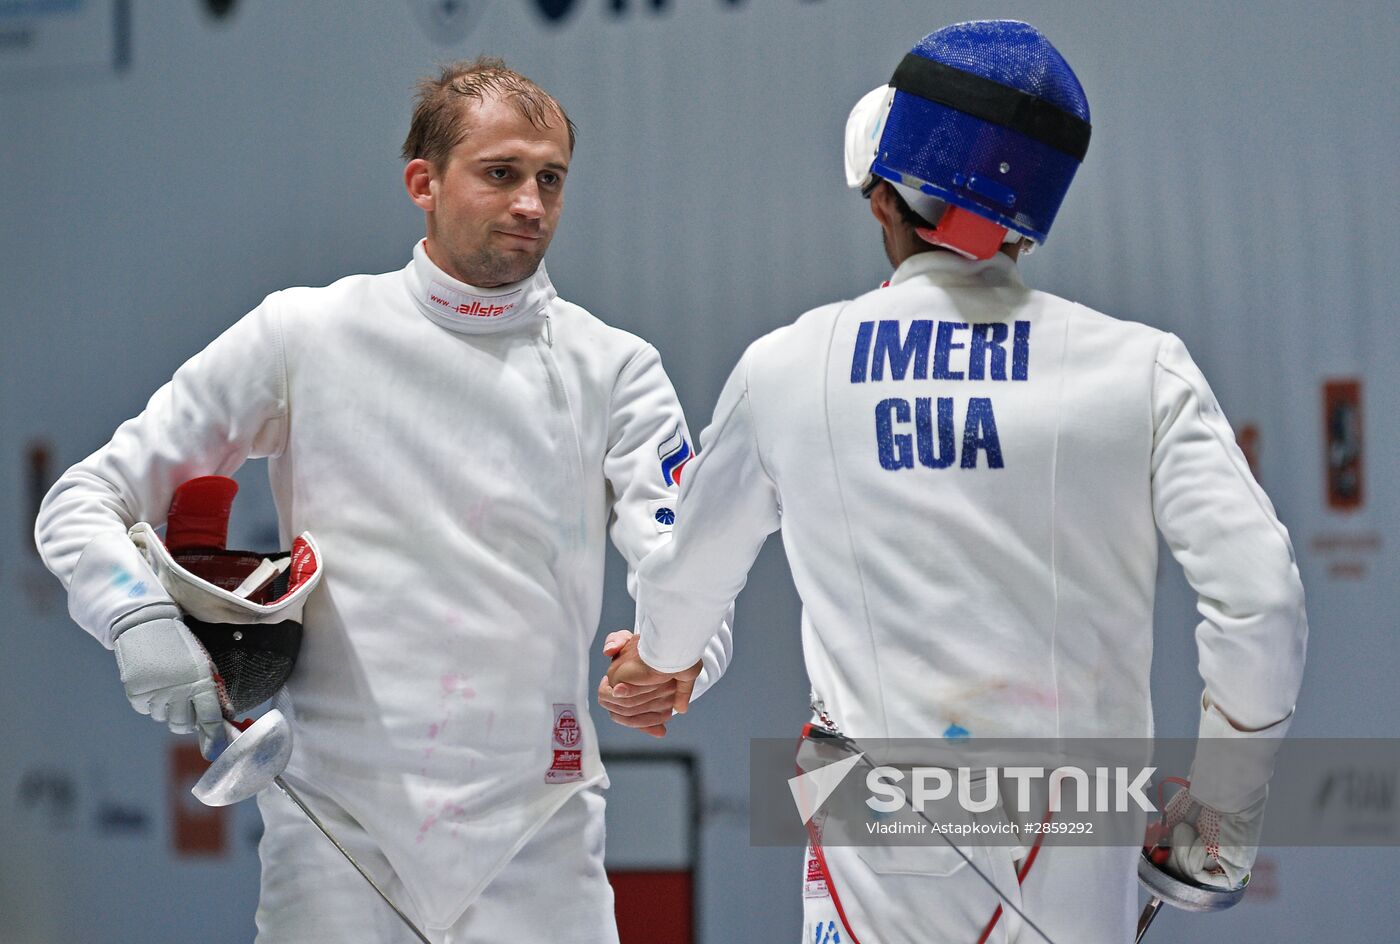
[1021, 874]
[814, 838]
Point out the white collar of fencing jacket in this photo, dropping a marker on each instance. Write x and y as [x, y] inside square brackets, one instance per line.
[467, 309]
[947, 268]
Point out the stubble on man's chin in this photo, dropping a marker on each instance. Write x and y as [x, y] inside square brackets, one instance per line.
[489, 268]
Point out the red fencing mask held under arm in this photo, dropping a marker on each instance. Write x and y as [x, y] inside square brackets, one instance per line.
[244, 606]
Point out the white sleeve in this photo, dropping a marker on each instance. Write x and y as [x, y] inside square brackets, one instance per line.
[729, 505]
[1222, 529]
[648, 444]
[226, 404]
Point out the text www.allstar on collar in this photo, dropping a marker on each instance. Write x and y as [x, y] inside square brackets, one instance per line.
[451, 301]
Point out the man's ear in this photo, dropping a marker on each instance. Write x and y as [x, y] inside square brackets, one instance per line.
[882, 205]
[417, 180]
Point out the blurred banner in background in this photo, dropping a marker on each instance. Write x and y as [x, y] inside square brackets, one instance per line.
[50, 41]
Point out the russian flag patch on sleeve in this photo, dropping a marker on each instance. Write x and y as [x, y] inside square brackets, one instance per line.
[674, 453]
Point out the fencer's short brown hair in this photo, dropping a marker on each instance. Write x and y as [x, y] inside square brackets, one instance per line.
[440, 117]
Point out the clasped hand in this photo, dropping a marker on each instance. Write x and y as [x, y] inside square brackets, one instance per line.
[637, 696]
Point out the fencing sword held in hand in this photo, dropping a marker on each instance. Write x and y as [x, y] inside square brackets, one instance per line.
[243, 609]
[255, 760]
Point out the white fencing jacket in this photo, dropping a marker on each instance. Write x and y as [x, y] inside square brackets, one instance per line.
[459, 455]
[970, 477]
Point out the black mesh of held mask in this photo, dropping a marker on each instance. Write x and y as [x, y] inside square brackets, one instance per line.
[253, 660]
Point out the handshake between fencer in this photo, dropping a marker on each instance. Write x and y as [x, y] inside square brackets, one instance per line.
[637, 696]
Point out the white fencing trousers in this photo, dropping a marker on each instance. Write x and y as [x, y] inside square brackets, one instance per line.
[554, 889]
[924, 894]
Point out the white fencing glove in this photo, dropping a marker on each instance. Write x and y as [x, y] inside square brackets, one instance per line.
[1209, 847]
[167, 674]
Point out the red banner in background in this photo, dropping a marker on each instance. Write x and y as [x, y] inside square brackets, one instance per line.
[195, 829]
[1248, 440]
[1342, 432]
[654, 907]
